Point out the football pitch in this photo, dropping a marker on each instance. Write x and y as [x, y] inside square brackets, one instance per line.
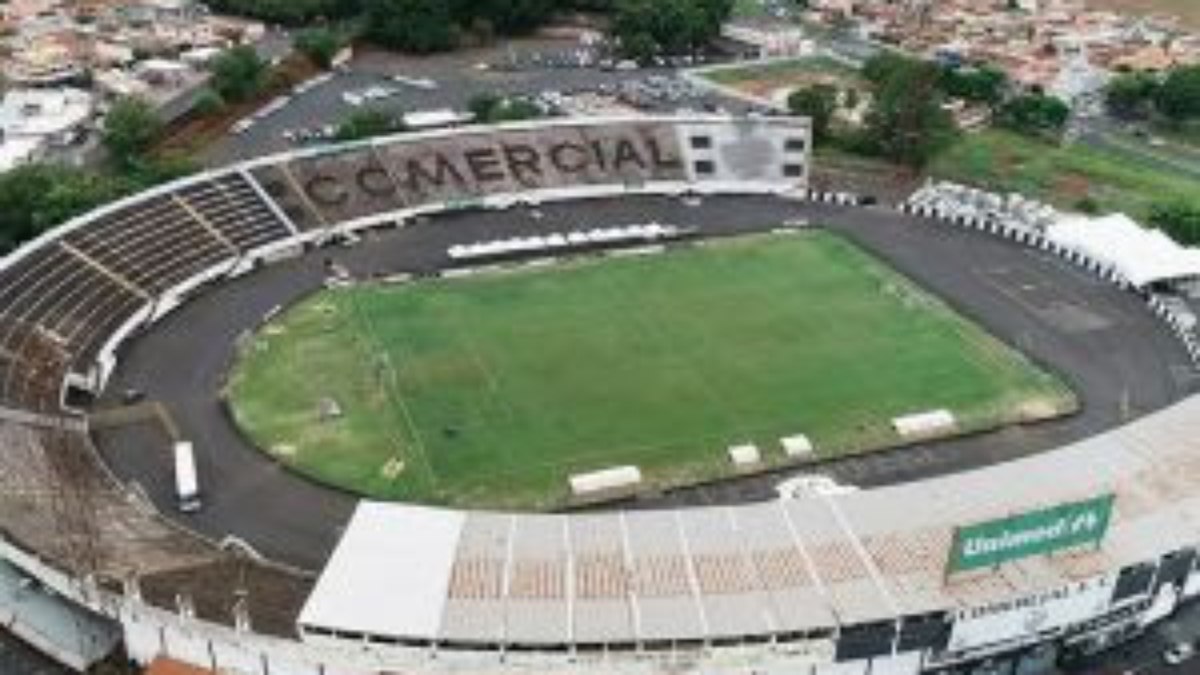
[492, 389]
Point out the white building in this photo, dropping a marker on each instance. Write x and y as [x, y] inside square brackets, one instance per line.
[32, 121]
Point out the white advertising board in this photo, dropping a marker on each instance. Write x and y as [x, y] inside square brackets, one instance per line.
[1004, 621]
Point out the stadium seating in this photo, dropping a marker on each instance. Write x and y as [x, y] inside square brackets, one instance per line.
[158, 242]
[53, 298]
[232, 206]
[71, 294]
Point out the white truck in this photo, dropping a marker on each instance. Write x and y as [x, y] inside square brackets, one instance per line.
[187, 486]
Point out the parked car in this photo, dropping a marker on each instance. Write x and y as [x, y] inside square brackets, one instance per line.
[1178, 653]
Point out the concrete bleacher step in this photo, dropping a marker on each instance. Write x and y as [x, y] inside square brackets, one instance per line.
[139, 413]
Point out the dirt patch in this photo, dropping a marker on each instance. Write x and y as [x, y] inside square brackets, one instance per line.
[193, 132]
[1072, 186]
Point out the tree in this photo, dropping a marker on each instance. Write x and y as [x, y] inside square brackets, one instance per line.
[131, 127]
[368, 123]
[1179, 219]
[818, 102]
[1131, 95]
[882, 66]
[647, 28]
[238, 73]
[208, 102]
[1034, 114]
[907, 122]
[420, 26]
[984, 85]
[515, 109]
[507, 17]
[715, 13]
[482, 105]
[318, 45]
[490, 109]
[36, 197]
[1179, 96]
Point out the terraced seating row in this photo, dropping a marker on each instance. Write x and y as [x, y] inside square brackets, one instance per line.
[69, 295]
[53, 300]
[235, 211]
[152, 245]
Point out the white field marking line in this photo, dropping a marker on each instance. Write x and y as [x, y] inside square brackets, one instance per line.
[977, 339]
[653, 330]
[666, 447]
[493, 382]
[991, 349]
[652, 449]
[1059, 388]
[395, 392]
[489, 374]
[574, 438]
[392, 388]
[742, 428]
[984, 349]
[987, 350]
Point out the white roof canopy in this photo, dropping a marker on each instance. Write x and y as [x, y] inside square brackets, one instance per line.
[389, 573]
[640, 576]
[1141, 255]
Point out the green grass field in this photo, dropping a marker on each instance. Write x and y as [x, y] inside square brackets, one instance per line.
[491, 390]
[1063, 175]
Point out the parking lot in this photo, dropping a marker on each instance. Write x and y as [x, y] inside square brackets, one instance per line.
[539, 68]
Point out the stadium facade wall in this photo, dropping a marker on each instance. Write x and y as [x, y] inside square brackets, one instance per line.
[1091, 614]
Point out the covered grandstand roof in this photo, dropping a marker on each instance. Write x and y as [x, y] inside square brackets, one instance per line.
[386, 561]
[1141, 255]
[727, 572]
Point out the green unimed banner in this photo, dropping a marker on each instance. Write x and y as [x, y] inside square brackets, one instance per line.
[1041, 532]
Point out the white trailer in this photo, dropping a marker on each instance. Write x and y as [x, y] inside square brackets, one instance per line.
[187, 486]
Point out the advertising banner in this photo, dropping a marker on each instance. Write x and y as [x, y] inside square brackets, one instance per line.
[1042, 532]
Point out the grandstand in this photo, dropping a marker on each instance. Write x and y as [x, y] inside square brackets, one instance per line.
[771, 572]
[78, 289]
[849, 584]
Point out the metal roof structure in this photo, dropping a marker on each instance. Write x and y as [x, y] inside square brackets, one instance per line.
[1142, 256]
[737, 572]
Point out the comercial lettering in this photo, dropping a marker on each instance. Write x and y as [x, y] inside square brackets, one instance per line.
[325, 190]
[374, 180]
[409, 172]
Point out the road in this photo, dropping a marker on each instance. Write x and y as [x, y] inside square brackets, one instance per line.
[1105, 134]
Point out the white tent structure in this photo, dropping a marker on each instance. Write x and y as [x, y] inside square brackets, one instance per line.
[1141, 255]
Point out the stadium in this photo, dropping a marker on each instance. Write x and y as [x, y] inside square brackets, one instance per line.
[529, 397]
